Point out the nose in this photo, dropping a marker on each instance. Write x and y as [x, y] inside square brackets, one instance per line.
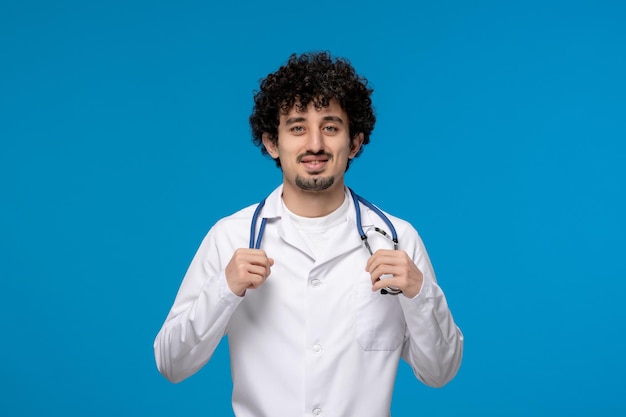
[315, 142]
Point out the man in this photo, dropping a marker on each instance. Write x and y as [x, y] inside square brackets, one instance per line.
[315, 323]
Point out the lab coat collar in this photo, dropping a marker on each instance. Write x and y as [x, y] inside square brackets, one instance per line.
[273, 204]
[274, 210]
[274, 207]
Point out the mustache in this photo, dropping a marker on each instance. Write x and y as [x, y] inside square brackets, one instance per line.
[319, 153]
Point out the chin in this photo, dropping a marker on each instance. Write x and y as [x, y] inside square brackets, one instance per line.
[314, 183]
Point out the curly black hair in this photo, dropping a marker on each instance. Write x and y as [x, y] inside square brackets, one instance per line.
[312, 77]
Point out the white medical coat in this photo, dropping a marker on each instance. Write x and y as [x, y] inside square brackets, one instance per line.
[313, 340]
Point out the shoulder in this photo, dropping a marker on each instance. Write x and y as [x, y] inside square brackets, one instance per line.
[403, 227]
[235, 228]
[245, 214]
[408, 236]
[371, 215]
[240, 220]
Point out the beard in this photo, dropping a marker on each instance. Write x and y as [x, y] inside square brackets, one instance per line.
[314, 184]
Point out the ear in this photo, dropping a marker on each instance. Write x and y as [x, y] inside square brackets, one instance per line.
[355, 145]
[270, 146]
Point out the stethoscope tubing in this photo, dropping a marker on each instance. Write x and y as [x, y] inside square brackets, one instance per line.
[256, 243]
[255, 217]
[356, 198]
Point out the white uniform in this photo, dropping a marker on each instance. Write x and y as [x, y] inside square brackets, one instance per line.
[313, 340]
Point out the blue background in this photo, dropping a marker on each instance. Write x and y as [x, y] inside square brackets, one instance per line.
[124, 137]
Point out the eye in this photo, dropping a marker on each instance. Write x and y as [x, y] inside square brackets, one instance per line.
[330, 129]
[296, 130]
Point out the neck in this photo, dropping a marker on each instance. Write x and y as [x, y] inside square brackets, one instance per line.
[313, 203]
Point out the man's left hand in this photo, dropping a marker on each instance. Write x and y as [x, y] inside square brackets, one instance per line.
[406, 276]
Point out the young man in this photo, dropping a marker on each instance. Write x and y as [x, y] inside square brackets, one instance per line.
[316, 323]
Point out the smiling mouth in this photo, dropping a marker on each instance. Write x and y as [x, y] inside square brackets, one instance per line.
[314, 163]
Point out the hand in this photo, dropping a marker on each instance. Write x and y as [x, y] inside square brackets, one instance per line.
[248, 268]
[405, 275]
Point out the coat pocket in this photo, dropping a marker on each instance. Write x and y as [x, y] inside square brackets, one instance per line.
[380, 323]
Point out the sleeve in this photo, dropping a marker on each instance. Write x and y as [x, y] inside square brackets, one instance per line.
[199, 316]
[434, 345]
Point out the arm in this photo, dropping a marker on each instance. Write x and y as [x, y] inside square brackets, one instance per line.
[434, 344]
[199, 317]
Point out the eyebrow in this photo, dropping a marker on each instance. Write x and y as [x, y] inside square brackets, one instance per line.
[293, 120]
[333, 119]
[301, 119]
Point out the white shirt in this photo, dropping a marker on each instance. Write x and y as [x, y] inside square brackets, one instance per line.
[317, 231]
[313, 340]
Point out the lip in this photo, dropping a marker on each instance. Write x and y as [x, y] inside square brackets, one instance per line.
[314, 163]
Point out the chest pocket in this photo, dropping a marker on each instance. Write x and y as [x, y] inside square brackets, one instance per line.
[380, 323]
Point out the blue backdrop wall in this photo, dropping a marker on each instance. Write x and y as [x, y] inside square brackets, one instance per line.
[124, 137]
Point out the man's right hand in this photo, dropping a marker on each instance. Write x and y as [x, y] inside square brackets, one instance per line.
[248, 268]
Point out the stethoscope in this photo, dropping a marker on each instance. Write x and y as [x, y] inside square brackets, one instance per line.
[256, 244]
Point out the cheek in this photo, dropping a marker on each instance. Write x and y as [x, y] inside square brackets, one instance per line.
[344, 153]
[292, 149]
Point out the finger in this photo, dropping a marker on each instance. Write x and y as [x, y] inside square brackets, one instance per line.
[253, 257]
[243, 258]
[372, 260]
[384, 272]
[245, 253]
[389, 282]
[257, 257]
[257, 271]
[270, 262]
[382, 256]
[255, 281]
[263, 262]
[255, 277]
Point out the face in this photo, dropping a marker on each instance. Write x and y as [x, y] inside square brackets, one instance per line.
[314, 146]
